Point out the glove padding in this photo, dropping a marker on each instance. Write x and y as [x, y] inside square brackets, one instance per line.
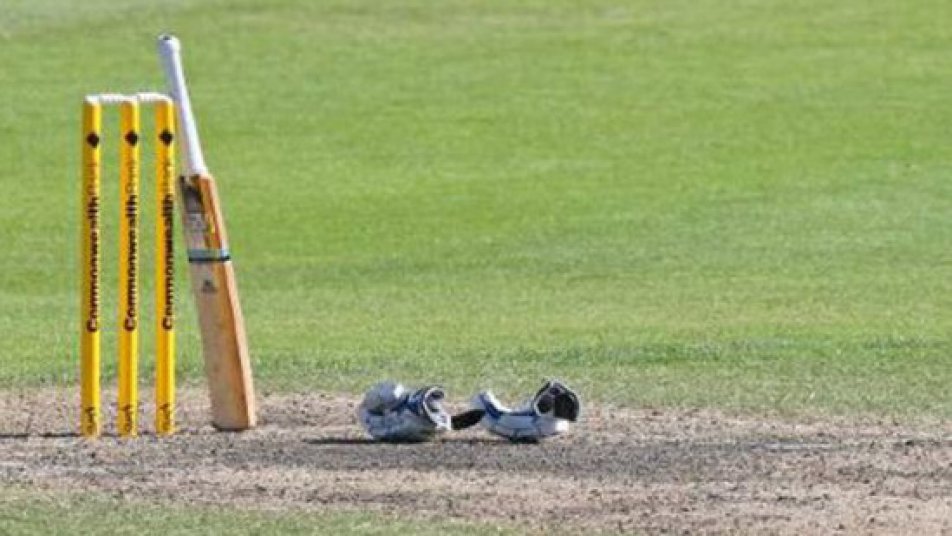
[391, 413]
[550, 412]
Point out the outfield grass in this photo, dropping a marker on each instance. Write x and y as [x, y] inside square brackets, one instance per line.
[30, 512]
[729, 203]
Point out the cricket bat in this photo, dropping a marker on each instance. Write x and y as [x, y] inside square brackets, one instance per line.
[224, 343]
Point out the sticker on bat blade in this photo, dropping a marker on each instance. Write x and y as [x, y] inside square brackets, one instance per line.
[196, 223]
[208, 287]
[194, 207]
[191, 196]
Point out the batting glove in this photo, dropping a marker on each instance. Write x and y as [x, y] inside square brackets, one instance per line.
[391, 413]
[550, 412]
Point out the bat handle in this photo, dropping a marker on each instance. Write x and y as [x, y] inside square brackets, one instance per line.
[170, 51]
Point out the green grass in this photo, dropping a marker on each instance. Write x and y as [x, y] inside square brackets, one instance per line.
[739, 204]
[32, 512]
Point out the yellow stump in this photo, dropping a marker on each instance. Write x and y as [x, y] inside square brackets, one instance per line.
[164, 269]
[90, 425]
[126, 419]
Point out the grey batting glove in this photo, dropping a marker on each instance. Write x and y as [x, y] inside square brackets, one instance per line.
[389, 412]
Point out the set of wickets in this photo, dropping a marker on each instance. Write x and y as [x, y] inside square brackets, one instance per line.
[128, 298]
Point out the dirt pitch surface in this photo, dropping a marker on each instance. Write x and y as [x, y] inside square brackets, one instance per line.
[621, 470]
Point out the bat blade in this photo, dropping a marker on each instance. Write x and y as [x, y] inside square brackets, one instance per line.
[214, 286]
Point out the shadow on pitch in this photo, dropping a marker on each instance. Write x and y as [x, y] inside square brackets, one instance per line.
[340, 441]
[323, 441]
[40, 435]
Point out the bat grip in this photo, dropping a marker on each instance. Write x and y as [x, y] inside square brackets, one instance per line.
[170, 52]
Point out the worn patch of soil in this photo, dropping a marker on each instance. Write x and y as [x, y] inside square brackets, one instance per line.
[654, 471]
